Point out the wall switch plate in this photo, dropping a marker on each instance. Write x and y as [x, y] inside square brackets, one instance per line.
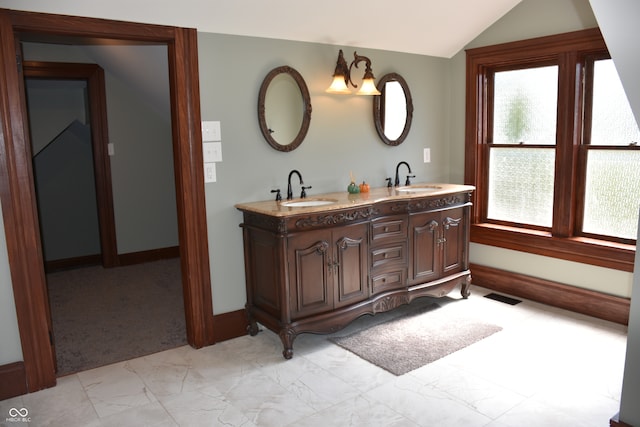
[111, 149]
[212, 152]
[211, 131]
[209, 172]
[427, 155]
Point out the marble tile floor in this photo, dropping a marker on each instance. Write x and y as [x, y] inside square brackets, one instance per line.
[547, 367]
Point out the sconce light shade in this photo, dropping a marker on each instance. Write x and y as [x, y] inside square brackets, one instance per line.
[339, 85]
[368, 87]
[342, 77]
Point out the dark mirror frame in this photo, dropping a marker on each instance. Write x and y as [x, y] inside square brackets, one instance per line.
[378, 110]
[306, 101]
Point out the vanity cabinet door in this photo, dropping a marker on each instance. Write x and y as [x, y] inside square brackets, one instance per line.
[454, 227]
[310, 283]
[327, 269]
[350, 264]
[437, 241]
[424, 231]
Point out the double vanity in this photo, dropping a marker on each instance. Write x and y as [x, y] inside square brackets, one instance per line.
[315, 264]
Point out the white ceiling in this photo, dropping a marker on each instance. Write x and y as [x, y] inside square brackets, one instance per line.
[427, 27]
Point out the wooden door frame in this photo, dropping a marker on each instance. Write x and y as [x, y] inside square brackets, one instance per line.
[93, 74]
[17, 193]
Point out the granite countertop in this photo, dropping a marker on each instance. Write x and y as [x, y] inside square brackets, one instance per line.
[344, 200]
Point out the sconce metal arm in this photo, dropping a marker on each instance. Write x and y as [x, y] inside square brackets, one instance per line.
[368, 72]
[344, 70]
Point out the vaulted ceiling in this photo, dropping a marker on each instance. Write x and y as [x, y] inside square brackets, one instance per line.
[427, 27]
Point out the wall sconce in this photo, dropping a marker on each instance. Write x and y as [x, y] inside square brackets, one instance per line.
[342, 77]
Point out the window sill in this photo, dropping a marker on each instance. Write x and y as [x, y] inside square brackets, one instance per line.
[587, 251]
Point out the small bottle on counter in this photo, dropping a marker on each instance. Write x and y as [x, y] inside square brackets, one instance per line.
[353, 187]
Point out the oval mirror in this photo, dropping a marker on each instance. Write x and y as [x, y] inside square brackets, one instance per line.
[393, 109]
[284, 108]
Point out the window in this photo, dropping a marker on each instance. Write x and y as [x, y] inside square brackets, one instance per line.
[552, 148]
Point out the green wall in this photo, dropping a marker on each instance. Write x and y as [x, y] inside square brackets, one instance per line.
[341, 137]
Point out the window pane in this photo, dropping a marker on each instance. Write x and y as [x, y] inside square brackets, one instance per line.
[613, 122]
[525, 105]
[612, 193]
[521, 185]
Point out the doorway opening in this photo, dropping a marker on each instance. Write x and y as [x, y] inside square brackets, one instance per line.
[17, 188]
[92, 306]
[67, 115]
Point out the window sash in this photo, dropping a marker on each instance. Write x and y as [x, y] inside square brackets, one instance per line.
[599, 132]
[520, 185]
[604, 213]
[525, 112]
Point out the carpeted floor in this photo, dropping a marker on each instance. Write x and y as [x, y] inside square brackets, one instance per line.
[102, 316]
[414, 339]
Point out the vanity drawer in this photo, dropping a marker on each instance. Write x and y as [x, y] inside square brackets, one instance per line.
[389, 254]
[388, 228]
[388, 280]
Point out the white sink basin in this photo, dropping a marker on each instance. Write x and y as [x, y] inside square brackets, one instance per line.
[307, 203]
[418, 189]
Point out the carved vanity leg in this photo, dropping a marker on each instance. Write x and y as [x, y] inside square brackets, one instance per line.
[287, 336]
[464, 290]
[252, 327]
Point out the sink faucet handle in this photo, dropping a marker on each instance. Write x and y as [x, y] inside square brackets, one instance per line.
[389, 185]
[408, 181]
[278, 195]
[303, 194]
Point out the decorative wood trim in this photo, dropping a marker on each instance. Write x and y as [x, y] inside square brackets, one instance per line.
[583, 250]
[615, 422]
[130, 258]
[94, 76]
[102, 167]
[230, 325]
[20, 218]
[591, 303]
[64, 264]
[17, 190]
[190, 199]
[88, 28]
[149, 256]
[344, 217]
[13, 380]
[505, 53]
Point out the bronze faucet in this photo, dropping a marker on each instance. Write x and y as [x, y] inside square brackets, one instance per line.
[397, 180]
[303, 194]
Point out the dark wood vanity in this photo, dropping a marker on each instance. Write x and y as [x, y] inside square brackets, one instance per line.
[318, 266]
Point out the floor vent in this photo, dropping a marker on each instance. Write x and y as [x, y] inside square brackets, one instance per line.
[503, 298]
